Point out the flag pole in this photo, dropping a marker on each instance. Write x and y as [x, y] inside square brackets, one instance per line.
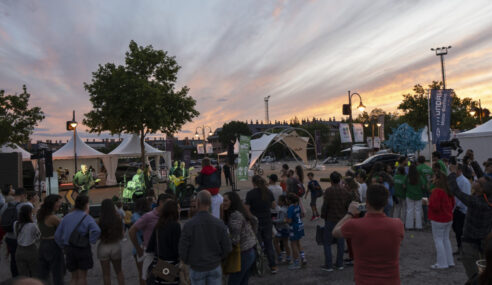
[429, 133]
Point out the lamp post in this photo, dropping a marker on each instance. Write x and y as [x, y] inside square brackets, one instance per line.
[267, 116]
[361, 108]
[373, 123]
[478, 109]
[203, 128]
[442, 51]
[72, 125]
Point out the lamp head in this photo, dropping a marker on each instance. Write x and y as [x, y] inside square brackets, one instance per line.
[366, 124]
[379, 124]
[73, 124]
[196, 134]
[361, 107]
[210, 133]
[473, 112]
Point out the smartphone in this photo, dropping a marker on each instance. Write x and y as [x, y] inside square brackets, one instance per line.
[362, 207]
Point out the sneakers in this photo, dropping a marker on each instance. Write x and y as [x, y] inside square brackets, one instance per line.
[295, 266]
[349, 262]
[273, 270]
[326, 268]
[435, 266]
[303, 261]
[339, 267]
[313, 218]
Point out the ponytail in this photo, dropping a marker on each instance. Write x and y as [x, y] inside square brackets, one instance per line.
[260, 183]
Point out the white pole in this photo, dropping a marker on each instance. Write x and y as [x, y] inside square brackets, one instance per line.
[429, 133]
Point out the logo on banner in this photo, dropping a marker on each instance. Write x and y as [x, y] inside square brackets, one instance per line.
[440, 114]
[345, 136]
[358, 133]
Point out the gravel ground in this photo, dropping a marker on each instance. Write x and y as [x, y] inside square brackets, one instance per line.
[416, 255]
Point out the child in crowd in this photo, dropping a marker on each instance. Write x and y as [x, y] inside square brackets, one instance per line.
[399, 196]
[296, 229]
[282, 228]
[274, 187]
[121, 212]
[128, 218]
[361, 179]
[316, 192]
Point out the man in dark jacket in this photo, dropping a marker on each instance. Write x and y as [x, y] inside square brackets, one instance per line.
[209, 179]
[204, 243]
[227, 174]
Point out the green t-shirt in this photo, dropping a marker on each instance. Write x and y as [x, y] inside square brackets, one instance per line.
[425, 172]
[84, 181]
[399, 185]
[414, 192]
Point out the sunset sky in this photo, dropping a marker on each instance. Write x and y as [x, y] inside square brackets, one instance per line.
[304, 54]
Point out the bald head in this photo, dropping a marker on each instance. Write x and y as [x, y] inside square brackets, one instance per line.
[204, 199]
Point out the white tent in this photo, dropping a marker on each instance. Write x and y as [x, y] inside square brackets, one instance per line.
[478, 139]
[26, 156]
[130, 147]
[64, 157]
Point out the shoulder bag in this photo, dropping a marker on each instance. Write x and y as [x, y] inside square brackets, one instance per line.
[78, 239]
[163, 269]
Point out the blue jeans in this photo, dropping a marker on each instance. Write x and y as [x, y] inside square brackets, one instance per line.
[328, 237]
[212, 277]
[248, 258]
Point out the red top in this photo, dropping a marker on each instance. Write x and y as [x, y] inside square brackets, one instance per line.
[208, 170]
[376, 241]
[441, 206]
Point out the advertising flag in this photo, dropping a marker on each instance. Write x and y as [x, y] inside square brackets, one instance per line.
[209, 148]
[345, 136]
[200, 149]
[358, 133]
[243, 158]
[440, 114]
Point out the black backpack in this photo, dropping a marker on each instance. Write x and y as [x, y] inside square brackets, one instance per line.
[9, 216]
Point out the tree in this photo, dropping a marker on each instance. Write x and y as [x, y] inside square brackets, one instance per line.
[139, 97]
[17, 120]
[405, 140]
[230, 131]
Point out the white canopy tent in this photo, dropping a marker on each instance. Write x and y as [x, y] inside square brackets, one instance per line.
[130, 147]
[64, 157]
[478, 139]
[258, 146]
[26, 156]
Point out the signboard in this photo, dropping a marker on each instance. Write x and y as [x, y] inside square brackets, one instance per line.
[345, 136]
[209, 148]
[377, 142]
[243, 158]
[381, 128]
[358, 133]
[440, 114]
[200, 149]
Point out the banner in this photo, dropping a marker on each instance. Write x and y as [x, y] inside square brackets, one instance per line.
[440, 114]
[200, 149]
[243, 158]
[345, 136]
[381, 128]
[376, 144]
[358, 133]
[209, 148]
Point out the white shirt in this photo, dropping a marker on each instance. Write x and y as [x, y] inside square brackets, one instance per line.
[29, 234]
[465, 187]
[363, 192]
[215, 207]
[276, 191]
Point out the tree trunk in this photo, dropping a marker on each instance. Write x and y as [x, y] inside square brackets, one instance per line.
[142, 148]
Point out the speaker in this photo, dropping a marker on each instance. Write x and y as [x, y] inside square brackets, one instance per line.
[11, 169]
[48, 163]
[230, 153]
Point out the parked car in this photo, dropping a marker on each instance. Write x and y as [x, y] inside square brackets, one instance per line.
[267, 159]
[385, 158]
[330, 160]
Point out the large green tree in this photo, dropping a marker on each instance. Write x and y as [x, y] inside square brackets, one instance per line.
[17, 120]
[230, 131]
[139, 97]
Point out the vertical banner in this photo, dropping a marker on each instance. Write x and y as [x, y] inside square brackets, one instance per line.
[358, 133]
[200, 149]
[345, 136]
[381, 128]
[243, 158]
[369, 142]
[377, 142]
[440, 114]
[209, 148]
[317, 139]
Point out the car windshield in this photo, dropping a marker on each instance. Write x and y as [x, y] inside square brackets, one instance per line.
[369, 159]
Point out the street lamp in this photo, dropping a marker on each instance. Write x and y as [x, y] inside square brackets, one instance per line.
[478, 110]
[347, 110]
[372, 124]
[442, 51]
[203, 128]
[72, 125]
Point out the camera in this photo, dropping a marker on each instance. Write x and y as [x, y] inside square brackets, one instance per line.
[453, 144]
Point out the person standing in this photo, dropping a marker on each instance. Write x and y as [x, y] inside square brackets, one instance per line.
[142, 206]
[28, 235]
[459, 212]
[376, 239]
[296, 229]
[78, 256]
[164, 242]
[316, 192]
[204, 243]
[240, 225]
[227, 174]
[272, 185]
[436, 157]
[209, 179]
[50, 254]
[109, 247]
[335, 204]
[414, 194]
[361, 177]
[259, 201]
[399, 195]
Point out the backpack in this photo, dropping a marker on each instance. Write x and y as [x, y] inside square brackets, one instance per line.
[300, 189]
[9, 216]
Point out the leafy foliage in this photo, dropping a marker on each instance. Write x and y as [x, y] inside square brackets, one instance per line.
[405, 140]
[17, 120]
[230, 131]
[139, 97]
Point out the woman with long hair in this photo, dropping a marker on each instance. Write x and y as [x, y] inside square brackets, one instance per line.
[50, 254]
[164, 241]
[300, 173]
[27, 234]
[414, 194]
[109, 247]
[259, 201]
[241, 232]
[142, 206]
[441, 205]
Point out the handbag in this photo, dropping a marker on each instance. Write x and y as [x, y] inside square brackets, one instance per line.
[163, 269]
[78, 239]
[232, 263]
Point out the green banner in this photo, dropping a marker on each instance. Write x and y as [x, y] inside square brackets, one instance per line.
[243, 159]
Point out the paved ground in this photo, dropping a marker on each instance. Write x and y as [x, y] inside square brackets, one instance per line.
[417, 254]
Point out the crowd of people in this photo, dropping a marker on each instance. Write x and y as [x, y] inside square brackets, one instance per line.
[368, 212]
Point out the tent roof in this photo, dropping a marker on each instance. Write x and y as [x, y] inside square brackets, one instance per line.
[25, 154]
[130, 146]
[83, 150]
[484, 129]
